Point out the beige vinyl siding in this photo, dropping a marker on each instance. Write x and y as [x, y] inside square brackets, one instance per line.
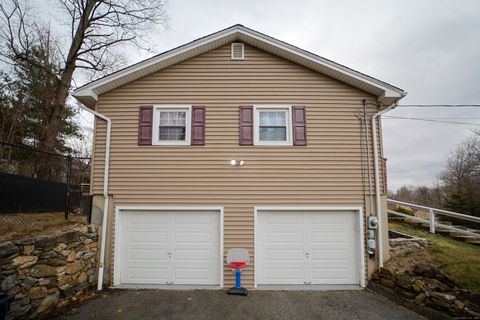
[328, 171]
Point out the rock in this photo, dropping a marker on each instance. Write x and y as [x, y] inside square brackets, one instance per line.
[442, 299]
[48, 255]
[48, 303]
[403, 281]
[406, 294]
[64, 280]
[83, 229]
[28, 249]
[420, 269]
[82, 277]
[385, 273]
[65, 253]
[60, 247]
[24, 261]
[69, 237]
[419, 286]
[37, 292]
[75, 244]
[19, 312]
[420, 298]
[7, 248]
[73, 267]
[88, 255]
[14, 291]
[71, 256]
[87, 241]
[459, 305]
[8, 283]
[28, 282]
[46, 241]
[57, 261]
[389, 283]
[43, 270]
[92, 228]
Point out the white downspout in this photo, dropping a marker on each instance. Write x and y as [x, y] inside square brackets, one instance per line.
[377, 182]
[105, 194]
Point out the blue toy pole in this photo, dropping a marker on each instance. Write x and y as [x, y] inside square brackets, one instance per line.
[238, 279]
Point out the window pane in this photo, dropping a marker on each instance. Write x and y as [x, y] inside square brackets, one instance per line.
[273, 134]
[263, 118]
[173, 118]
[272, 118]
[172, 133]
[280, 119]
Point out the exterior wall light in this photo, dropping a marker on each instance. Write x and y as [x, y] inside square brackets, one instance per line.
[237, 163]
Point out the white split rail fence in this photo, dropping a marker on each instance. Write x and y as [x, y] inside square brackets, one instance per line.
[432, 217]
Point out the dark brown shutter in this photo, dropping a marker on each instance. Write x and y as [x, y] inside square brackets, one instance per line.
[246, 125]
[198, 125]
[299, 126]
[145, 125]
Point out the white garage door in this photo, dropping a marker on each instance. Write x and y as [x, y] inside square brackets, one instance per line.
[170, 247]
[307, 247]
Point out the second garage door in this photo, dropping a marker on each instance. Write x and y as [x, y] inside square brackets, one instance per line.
[307, 247]
[166, 247]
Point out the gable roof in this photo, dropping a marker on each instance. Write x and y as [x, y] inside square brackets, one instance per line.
[386, 93]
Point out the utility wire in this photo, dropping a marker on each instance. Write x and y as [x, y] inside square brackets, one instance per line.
[438, 106]
[429, 120]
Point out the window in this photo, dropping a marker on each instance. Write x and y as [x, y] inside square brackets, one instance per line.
[272, 125]
[171, 125]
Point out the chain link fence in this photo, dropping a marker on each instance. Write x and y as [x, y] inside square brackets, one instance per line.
[41, 190]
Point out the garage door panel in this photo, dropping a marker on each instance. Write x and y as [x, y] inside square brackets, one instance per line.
[320, 250]
[285, 255]
[147, 236]
[147, 275]
[146, 254]
[285, 237]
[283, 218]
[178, 247]
[193, 237]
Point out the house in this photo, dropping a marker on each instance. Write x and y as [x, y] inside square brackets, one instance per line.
[238, 140]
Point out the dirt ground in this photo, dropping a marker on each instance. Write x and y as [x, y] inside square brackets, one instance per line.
[20, 225]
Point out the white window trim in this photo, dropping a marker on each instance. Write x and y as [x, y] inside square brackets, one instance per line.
[156, 124]
[243, 51]
[256, 124]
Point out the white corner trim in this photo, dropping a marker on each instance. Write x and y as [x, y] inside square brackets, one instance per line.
[358, 209]
[156, 123]
[117, 226]
[256, 124]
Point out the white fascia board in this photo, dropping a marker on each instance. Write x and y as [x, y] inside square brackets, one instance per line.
[390, 93]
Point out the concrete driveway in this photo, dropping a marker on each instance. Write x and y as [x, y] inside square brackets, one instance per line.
[216, 304]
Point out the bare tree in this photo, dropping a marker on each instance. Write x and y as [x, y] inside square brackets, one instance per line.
[98, 28]
[462, 177]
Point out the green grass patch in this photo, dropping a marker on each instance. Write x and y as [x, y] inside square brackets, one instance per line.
[457, 259]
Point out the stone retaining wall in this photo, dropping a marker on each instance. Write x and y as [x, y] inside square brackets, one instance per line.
[427, 287]
[402, 245]
[47, 272]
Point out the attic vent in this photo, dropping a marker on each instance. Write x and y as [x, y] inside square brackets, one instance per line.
[237, 51]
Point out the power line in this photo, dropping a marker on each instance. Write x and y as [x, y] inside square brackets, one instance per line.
[438, 106]
[429, 120]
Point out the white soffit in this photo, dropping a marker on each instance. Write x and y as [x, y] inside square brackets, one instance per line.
[386, 93]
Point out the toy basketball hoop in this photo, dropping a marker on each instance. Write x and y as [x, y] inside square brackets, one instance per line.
[238, 259]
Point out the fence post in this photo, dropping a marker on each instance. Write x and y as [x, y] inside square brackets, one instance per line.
[67, 198]
[432, 220]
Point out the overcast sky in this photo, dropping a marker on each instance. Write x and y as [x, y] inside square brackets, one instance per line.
[431, 49]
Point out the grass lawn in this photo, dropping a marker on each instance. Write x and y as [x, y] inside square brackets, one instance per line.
[457, 259]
